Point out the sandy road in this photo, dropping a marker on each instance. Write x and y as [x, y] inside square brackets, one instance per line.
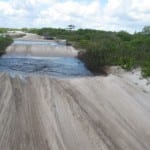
[42, 113]
[90, 113]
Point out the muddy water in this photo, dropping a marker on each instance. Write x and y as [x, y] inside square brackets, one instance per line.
[53, 66]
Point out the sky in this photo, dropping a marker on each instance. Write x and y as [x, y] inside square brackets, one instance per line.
[112, 15]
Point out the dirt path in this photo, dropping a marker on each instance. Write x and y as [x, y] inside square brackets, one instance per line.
[99, 113]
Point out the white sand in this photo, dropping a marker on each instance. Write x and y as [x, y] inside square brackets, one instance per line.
[92, 113]
[134, 77]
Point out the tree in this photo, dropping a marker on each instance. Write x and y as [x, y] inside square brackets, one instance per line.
[125, 36]
[146, 30]
[71, 27]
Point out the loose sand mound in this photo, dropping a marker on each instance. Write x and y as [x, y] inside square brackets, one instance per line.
[99, 113]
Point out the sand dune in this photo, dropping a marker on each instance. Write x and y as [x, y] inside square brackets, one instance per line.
[95, 113]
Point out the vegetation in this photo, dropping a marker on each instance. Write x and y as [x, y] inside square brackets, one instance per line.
[4, 42]
[3, 30]
[102, 48]
[146, 30]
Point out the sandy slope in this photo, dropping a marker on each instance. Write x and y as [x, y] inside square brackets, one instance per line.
[98, 113]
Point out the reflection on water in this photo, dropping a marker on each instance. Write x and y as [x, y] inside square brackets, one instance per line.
[53, 66]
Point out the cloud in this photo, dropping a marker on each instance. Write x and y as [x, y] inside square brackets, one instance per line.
[115, 15]
[80, 14]
[7, 10]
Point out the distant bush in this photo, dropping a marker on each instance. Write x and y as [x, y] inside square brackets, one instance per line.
[4, 42]
[146, 30]
[146, 69]
[3, 30]
[125, 36]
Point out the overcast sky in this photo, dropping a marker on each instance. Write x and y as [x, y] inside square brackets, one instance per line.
[114, 15]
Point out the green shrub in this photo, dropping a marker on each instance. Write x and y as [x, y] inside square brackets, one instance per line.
[4, 42]
[107, 48]
[125, 36]
[126, 63]
[146, 69]
[3, 30]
